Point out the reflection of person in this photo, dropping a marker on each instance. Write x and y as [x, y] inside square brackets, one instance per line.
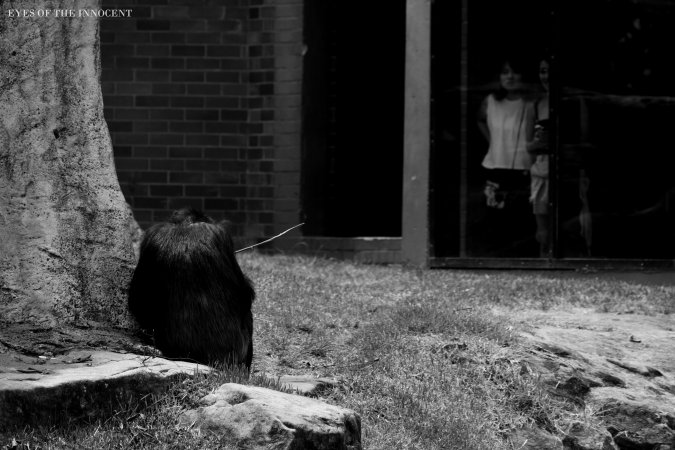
[539, 149]
[504, 119]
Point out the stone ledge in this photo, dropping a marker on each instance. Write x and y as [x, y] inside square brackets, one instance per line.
[81, 384]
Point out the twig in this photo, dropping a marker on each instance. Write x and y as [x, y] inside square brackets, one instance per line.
[270, 239]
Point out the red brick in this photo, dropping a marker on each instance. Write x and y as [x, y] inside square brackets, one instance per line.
[117, 49]
[186, 127]
[150, 152]
[227, 26]
[188, 25]
[187, 102]
[150, 177]
[221, 127]
[223, 77]
[223, 153]
[167, 63]
[115, 126]
[122, 151]
[187, 76]
[222, 102]
[228, 165]
[131, 164]
[170, 38]
[134, 88]
[188, 50]
[186, 177]
[119, 100]
[203, 38]
[201, 139]
[207, 12]
[220, 203]
[152, 75]
[235, 38]
[153, 25]
[152, 50]
[133, 37]
[202, 191]
[168, 88]
[150, 126]
[233, 64]
[166, 139]
[129, 138]
[151, 100]
[114, 75]
[202, 64]
[170, 114]
[170, 12]
[132, 62]
[167, 164]
[203, 165]
[176, 203]
[233, 191]
[166, 190]
[185, 152]
[203, 89]
[221, 178]
[150, 202]
[202, 114]
[233, 89]
[227, 51]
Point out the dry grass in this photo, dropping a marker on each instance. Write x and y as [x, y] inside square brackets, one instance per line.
[419, 355]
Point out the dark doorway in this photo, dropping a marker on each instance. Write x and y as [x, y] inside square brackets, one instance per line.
[353, 91]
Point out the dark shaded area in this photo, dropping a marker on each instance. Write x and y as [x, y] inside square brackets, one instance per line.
[352, 156]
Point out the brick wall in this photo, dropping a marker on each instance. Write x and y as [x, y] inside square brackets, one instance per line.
[202, 100]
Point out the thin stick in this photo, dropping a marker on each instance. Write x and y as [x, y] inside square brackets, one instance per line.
[270, 239]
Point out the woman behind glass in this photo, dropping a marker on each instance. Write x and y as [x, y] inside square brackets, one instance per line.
[505, 117]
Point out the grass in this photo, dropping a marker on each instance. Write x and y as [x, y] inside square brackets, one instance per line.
[422, 356]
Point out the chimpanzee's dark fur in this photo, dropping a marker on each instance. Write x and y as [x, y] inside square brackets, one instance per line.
[189, 289]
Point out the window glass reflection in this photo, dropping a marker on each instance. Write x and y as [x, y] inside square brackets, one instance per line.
[552, 129]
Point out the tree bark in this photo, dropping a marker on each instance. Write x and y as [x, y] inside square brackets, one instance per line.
[66, 252]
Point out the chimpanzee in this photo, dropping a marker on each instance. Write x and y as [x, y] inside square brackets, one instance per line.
[190, 291]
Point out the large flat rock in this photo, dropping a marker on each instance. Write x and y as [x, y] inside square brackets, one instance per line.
[620, 365]
[260, 418]
[79, 384]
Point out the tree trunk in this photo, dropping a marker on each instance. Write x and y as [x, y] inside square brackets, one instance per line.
[66, 253]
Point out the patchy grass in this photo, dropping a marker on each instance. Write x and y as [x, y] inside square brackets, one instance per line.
[420, 355]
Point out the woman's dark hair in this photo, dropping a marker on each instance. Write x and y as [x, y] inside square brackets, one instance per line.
[518, 64]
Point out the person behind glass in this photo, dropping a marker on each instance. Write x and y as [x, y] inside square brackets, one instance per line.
[504, 119]
[539, 150]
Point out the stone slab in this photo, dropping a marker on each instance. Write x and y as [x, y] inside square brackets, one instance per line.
[79, 384]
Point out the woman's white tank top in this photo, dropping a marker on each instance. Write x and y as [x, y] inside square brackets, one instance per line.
[507, 122]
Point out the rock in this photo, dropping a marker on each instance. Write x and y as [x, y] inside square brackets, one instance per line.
[305, 385]
[263, 418]
[630, 386]
[558, 350]
[638, 426]
[81, 384]
[577, 386]
[610, 380]
[634, 367]
[529, 438]
[66, 252]
[582, 438]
